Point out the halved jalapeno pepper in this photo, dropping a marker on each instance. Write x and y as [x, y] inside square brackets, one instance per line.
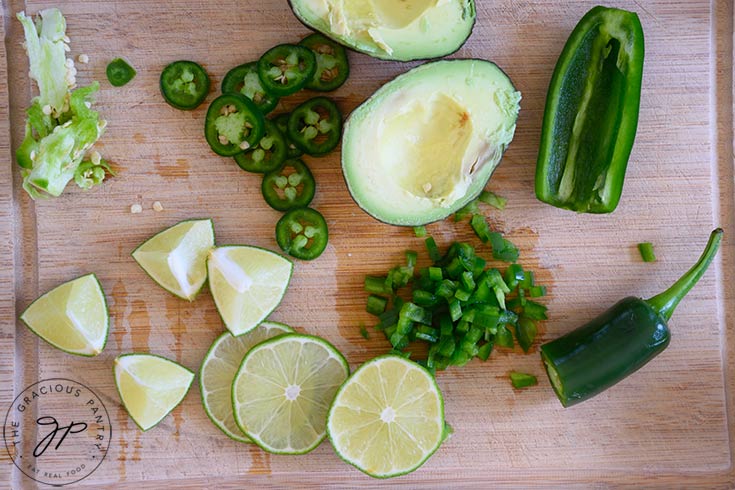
[291, 186]
[233, 124]
[267, 155]
[244, 80]
[302, 233]
[286, 69]
[281, 122]
[332, 67]
[184, 85]
[315, 126]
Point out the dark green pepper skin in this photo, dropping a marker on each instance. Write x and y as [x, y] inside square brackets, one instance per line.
[597, 355]
[591, 114]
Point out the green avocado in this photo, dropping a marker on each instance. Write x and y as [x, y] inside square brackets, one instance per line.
[389, 29]
[425, 144]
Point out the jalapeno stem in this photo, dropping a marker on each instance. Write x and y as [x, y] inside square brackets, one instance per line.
[666, 302]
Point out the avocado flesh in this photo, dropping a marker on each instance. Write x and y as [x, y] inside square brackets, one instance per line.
[389, 29]
[425, 144]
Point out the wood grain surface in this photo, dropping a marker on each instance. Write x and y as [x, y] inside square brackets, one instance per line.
[670, 425]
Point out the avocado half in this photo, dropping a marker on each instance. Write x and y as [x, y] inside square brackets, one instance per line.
[391, 29]
[425, 144]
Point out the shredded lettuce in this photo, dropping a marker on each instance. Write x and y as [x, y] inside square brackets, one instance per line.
[61, 126]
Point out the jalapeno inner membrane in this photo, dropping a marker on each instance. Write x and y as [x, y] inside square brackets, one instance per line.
[302, 233]
[233, 124]
[315, 126]
[286, 69]
[244, 80]
[184, 84]
[332, 67]
[291, 186]
[267, 155]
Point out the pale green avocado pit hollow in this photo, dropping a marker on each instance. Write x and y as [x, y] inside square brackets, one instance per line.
[426, 143]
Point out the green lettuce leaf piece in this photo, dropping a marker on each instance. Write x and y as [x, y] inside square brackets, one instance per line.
[46, 48]
[56, 157]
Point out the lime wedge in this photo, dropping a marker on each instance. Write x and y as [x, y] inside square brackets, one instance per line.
[176, 257]
[71, 317]
[247, 284]
[150, 386]
[387, 418]
[219, 368]
[282, 391]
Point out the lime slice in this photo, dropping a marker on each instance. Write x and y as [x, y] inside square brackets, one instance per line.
[247, 284]
[71, 317]
[176, 257]
[388, 417]
[219, 368]
[282, 391]
[150, 386]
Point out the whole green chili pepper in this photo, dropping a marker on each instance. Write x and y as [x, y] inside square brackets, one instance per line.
[592, 358]
[591, 113]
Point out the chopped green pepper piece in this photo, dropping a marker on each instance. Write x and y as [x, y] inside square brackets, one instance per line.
[493, 200]
[364, 332]
[504, 337]
[485, 351]
[502, 248]
[266, 156]
[376, 305]
[481, 228]
[419, 231]
[591, 113]
[119, 72]
[646, 250]
[522, 380]
[432, 249]
[526, 331]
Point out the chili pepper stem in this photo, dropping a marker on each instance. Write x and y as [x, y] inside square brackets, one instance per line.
[666, 302]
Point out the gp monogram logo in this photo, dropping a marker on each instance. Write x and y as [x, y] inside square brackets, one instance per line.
[57, 431]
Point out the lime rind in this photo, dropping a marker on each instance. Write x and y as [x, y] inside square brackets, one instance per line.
[119, 366]
[176, 279]
[277, 329]
[241, 283]
[269, 344]
[443, 431]
[96, 346]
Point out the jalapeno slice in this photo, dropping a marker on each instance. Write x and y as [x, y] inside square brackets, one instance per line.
[286, 69]
[289, 187]
[281, 122]
[244, 80]
[302, 233]
[267, 155]
[119, 72]
[315, 126]
[184, 85]
[332, 67]
[233, 124]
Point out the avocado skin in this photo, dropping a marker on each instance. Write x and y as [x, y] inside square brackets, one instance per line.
[474, 195]
[388, 58]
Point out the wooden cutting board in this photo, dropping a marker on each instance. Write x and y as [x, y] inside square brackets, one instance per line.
[670, 425]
